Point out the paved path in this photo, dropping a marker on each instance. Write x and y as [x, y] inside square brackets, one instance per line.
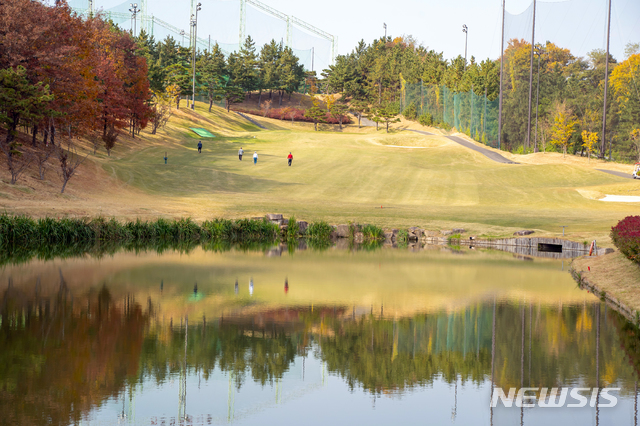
[245, 116]
[619, 174]
[486, 152]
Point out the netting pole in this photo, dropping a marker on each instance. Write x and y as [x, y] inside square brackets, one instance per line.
[484, 120]
[289, 37]
[421, 99]
[243, 19]
[471, 120]
[533, 35]
[501, 73]
[606, 85]
[535, 138]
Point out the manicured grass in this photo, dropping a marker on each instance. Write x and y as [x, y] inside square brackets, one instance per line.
[340, 177]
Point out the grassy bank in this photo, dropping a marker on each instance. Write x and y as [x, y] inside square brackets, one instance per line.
[612, 277]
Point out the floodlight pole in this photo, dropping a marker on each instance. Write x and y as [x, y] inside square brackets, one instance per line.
[134, 12]
[385, 30]
[195, 44]
[465, 30]
[501, 72]
[606, 84]
[533, 36]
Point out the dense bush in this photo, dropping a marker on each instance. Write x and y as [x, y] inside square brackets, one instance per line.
[426, 119]
[298, 115]
[626, 236]
[410, 112]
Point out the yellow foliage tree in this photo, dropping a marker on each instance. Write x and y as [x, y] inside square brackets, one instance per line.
[563, 127]
[590, 141]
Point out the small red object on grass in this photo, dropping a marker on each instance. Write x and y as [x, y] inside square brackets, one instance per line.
[589, 268]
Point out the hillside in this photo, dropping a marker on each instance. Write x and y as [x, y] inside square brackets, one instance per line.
[396, 179]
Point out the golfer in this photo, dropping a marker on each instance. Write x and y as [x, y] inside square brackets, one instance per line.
[255, 157]
[199, 147]
[290, 158]
[240, 152]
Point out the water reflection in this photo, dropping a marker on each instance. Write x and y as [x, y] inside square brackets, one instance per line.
[103, 353]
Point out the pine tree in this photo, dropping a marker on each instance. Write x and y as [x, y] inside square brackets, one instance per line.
[213, 73]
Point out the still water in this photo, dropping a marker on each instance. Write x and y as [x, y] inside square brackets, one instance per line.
[335, 337]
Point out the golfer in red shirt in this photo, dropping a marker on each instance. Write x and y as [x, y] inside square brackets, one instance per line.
[290, 158]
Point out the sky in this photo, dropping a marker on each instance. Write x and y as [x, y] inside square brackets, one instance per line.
[575, 24]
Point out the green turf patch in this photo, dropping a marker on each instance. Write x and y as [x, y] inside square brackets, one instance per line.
[203, 133]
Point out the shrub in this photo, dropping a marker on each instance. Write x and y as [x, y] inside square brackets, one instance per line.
[626, 236]
[426, 119]
[410, 112]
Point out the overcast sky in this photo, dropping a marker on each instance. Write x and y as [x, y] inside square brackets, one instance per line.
[575, 24]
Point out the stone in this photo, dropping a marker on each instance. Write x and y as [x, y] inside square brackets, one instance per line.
[358, 238]
[431, 233]
[343, 231]
[446, 232]
[274, 217]
[388, 237]
[608, 250]
[302, 226]
[458, 230]
[414, 231]
[523, 232]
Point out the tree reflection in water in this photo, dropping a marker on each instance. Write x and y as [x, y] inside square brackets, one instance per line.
[62, 357]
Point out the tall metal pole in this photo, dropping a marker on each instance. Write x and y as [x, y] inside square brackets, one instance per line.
[195, 44]
[385, 30]
[606, 85]
[535, 148]
[501, 72]
[465, 30]
[313, 56]
[533, 36]
[134, 12]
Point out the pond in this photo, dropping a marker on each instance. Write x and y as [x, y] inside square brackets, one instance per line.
[273, 337]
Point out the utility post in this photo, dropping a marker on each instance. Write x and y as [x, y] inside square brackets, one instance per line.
[385, 31]
[195, 45]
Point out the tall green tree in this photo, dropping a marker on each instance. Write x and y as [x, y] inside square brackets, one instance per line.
[213, 72]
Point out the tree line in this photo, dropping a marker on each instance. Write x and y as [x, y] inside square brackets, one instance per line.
[569, 91]
[232, 78]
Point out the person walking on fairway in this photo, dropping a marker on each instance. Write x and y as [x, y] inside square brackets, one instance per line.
[255, 157]
[240, 152]
[199, 147]
[290, 158]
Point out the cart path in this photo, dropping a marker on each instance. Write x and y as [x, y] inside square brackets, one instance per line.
[619, 174]
[251, 120]
[486, 152]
